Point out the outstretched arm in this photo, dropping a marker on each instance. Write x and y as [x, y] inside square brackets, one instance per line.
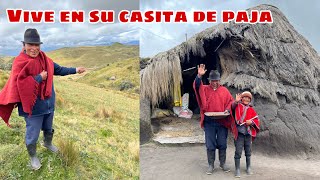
[62, 71]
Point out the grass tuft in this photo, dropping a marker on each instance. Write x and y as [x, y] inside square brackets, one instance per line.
[101, 112]
[68, 152]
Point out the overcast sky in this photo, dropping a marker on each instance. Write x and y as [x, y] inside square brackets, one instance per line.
[58, 35]
[155, 38]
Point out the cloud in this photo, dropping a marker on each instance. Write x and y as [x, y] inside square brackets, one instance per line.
[57, 35]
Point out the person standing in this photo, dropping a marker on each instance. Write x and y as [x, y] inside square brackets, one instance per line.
[213, 98]
[30, 87]
[245, 129]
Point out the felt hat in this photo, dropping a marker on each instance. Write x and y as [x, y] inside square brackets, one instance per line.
[31, 36]
[214, 75]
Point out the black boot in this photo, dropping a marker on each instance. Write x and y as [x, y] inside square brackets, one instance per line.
[211, 158]
[47, 142]
[32, 151]
[248, 161]
[237, 166]
[222, 158]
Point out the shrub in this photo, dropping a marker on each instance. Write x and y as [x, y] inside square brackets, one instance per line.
[124, 85]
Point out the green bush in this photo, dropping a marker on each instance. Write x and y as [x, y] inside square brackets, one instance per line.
[124, 85]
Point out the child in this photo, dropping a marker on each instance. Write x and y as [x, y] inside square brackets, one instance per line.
[245, 129]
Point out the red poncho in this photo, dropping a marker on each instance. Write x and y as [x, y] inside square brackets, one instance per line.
[210, 100]
[242, 114]
[21, 85]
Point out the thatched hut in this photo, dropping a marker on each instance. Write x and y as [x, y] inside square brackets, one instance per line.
[273, 61]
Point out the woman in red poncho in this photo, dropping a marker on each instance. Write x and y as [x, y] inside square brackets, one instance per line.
[245, 129]
[30, 87]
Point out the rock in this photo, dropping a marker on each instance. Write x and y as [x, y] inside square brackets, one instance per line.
[160, 113]
[112, 78]
[145, 121]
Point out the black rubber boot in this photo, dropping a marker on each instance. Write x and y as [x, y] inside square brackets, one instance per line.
[248, 161]
[237, 166]
[47, 142]
[32, 151]
[211, 158]
[222, 158]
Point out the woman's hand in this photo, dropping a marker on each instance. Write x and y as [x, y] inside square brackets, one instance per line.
[44, 75]
[80, 70]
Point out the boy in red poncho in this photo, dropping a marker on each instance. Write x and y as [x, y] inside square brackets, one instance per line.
[245, 129]
[214, 98]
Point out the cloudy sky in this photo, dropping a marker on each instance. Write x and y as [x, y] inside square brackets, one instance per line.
[158, 37]
[58, 35]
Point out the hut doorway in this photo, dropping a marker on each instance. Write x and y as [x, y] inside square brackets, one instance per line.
[190, 71]
[180, 130]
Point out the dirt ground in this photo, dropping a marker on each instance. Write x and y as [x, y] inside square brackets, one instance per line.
[190, 162]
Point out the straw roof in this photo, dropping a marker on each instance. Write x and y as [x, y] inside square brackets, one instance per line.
[267, 59]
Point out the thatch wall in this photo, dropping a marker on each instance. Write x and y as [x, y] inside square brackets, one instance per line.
[250, 56]
[273, 61]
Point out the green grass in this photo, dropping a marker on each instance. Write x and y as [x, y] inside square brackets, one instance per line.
[4, 75]
[107, 147]
[6, 59]
[95, 56]
[96, 129]
[124, 71]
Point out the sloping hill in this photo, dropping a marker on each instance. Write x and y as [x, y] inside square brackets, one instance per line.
[97, 129]
[93, 56]
[122, 75]
[102, 126]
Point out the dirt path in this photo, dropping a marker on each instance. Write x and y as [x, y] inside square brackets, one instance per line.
[181, 163]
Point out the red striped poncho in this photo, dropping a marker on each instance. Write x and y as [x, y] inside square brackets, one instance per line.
[245, 113]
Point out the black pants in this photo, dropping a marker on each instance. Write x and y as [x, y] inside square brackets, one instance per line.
[215, 135]
[216, 138]
[243, 141]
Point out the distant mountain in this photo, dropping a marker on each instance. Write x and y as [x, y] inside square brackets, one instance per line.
[93, 56]
[133, 43]
[6, 59]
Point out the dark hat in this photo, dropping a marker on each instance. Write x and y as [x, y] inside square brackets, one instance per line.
[214, 75]
[31, 36]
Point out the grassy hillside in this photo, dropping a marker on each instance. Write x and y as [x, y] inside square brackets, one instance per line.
[6, 58]
[126, 75]
[96, 125]
[98, 128]
[95, 56]
[4, 75]
[102, 62]
[6, 63]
